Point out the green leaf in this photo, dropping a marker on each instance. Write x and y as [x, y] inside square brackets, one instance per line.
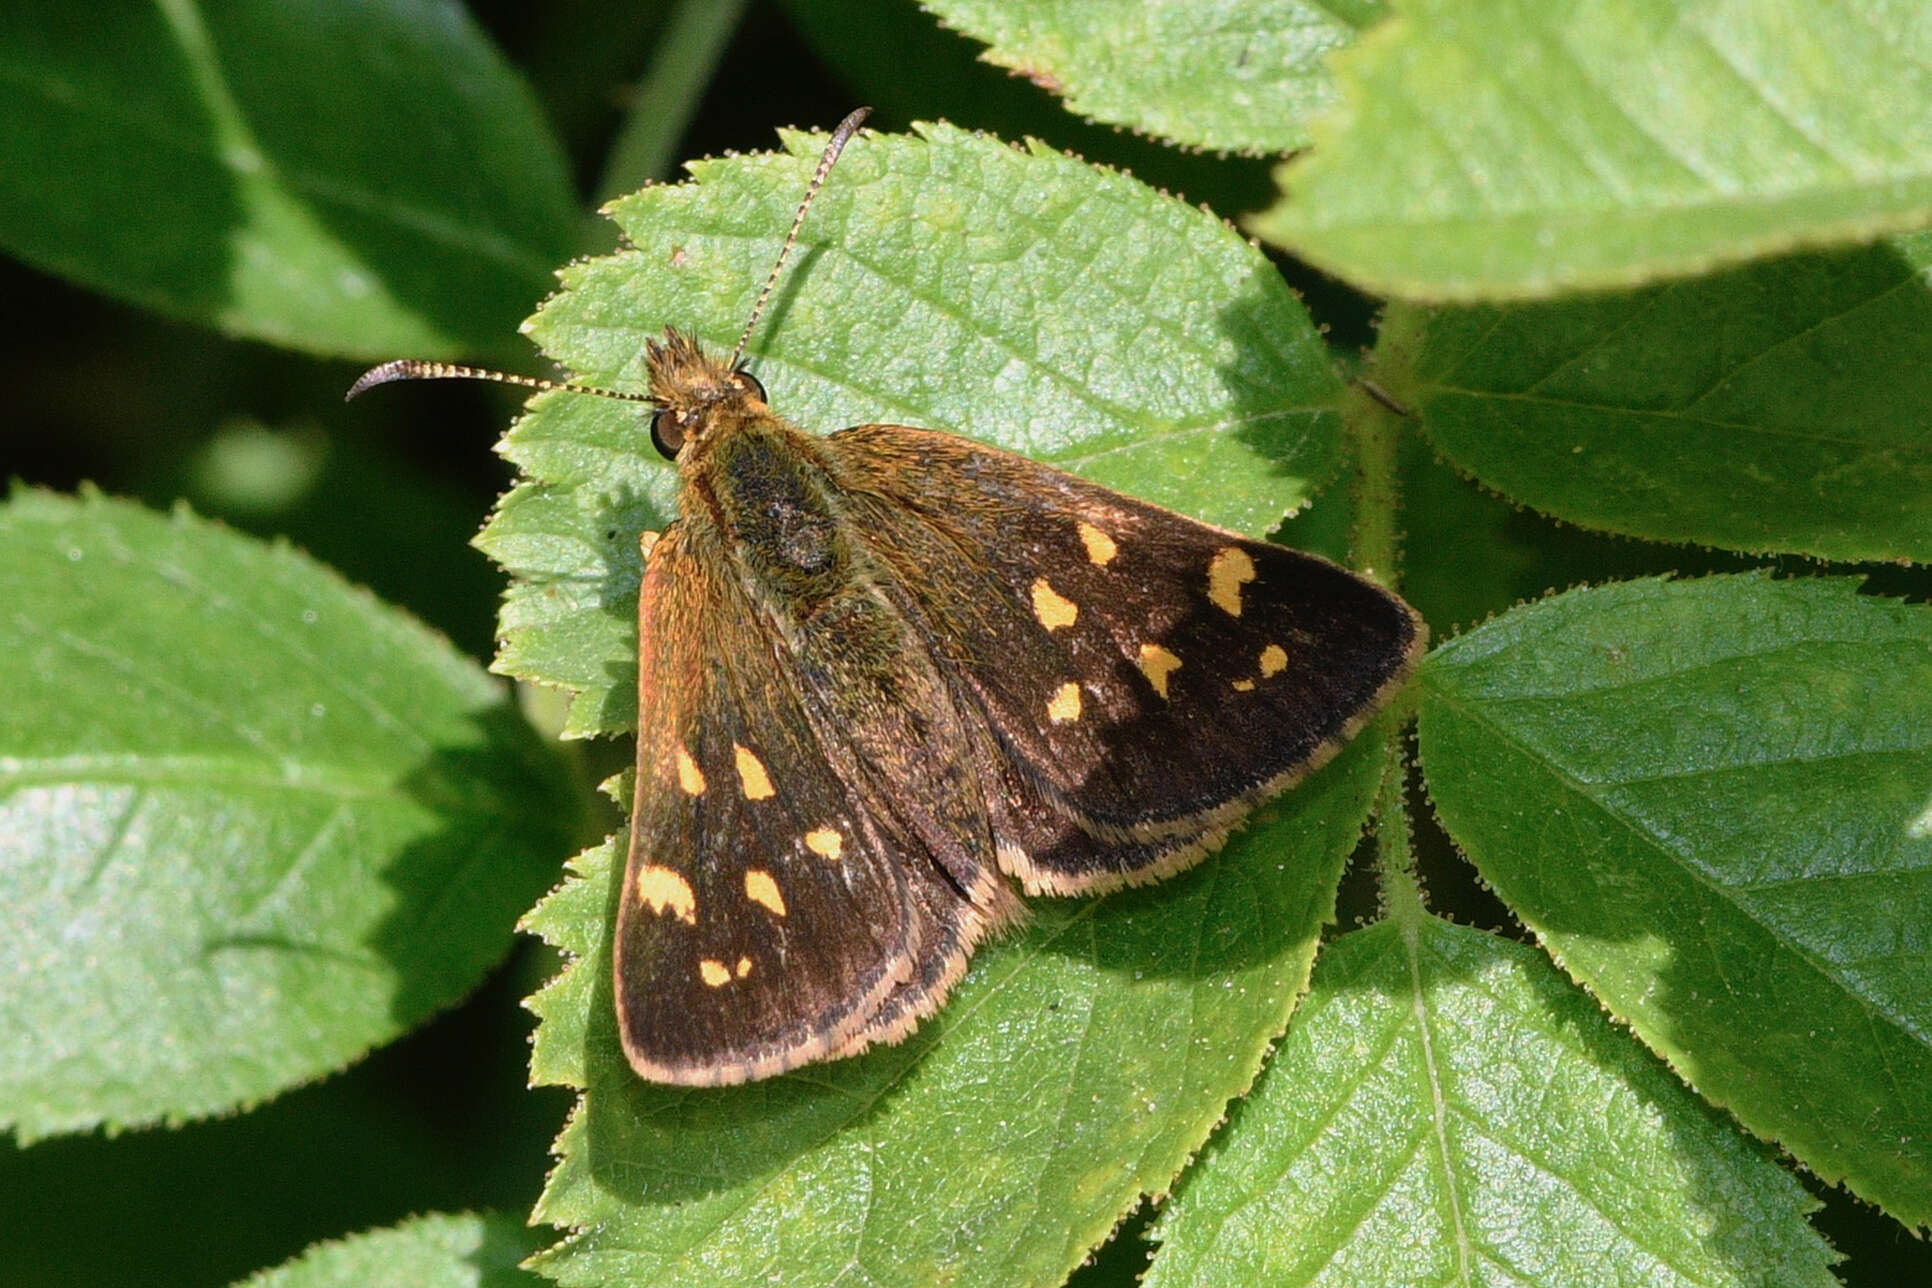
[252, 823]
[1243, 75]
[361, 178]
[1075, 1069]
[436, 1251]
[1492, 149]
[945, 281]
[909, 68]
[1448, 1110]
[442, 1119]
[1710, 800]
[1784, 406]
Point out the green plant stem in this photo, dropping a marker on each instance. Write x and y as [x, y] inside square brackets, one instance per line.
[668, 94]
[1376, 552]
[1402, 900]
[1375, 438]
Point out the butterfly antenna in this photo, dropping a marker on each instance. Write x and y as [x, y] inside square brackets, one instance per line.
[840, 137]
[413, 369]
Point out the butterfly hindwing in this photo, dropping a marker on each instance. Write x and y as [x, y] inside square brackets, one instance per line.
[1144, 678]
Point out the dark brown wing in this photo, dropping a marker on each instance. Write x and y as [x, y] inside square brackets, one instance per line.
[1143, 678]
[782, 903]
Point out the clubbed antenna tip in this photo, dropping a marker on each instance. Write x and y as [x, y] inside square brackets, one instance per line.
[401, 369]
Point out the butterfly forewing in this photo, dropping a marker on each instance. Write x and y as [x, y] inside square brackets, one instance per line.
[786, 899]
[1142, 676]
[757, 928]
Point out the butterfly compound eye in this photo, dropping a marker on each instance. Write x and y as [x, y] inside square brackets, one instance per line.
[667, 433]
[749, 383]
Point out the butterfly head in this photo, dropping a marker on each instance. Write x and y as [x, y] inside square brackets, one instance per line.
[697, 397]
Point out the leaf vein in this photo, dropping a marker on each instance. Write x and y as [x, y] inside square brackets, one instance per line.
[1650, 841]
[1780, 345]
[1661, 413]
[1438, 1108]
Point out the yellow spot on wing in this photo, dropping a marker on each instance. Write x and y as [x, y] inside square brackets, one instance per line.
[663, 890]
[1244, 686]
[713, 973]
[1156, 663]
[1050, 607]
[744, 967]
[690, 778]
[751, 774]
[1230, 569]
[1065, 705]
[1100, 547]
[825, 842]
[1274, 660]
[761, 889]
